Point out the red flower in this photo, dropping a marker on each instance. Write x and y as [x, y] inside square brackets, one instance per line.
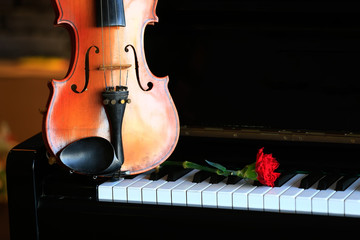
[265, 167]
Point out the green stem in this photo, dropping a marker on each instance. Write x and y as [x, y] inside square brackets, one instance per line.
[192, 165]
[187, 164]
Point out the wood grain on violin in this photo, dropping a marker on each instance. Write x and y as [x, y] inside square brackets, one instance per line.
[108, 53]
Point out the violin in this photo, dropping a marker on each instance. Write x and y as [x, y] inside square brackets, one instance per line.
[110, 114]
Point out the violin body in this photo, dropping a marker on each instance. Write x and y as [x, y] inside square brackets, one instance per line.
[104, 56]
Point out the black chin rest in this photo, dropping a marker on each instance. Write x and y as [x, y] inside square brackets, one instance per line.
[91, 156]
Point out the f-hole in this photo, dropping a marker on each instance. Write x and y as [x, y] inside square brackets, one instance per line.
[149, 84]
[87, 71]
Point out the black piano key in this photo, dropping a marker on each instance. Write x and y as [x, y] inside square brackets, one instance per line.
[283, 178]
[345, 182]
[257, 184]
[310, 180]
[233, 179]
[215, 178]
[327, 181]
[175, 174]
[130, 176]
[160, 173]
[201, 176]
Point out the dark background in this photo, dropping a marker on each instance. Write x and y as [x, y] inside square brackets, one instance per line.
[283, 64]
[272, 64]
[26, 29]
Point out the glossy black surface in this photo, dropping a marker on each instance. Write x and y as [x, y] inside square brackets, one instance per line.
[48, 202]
[270, 64]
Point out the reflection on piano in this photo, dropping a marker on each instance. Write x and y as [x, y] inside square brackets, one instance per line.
[47, 202]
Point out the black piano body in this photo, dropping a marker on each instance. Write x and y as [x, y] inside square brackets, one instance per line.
[47, 202]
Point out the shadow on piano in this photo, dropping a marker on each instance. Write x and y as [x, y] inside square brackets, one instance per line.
[47, 202]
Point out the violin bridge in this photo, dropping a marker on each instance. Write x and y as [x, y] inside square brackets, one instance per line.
[114, 67]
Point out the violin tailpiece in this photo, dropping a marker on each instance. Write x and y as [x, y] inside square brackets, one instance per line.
[114, 104]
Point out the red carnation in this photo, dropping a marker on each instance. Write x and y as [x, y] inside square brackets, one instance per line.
[265, 167]
[262, 170]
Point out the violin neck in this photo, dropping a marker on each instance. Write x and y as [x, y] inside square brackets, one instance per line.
[110, 13]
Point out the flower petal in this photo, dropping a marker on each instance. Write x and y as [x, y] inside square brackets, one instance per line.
[265, 166]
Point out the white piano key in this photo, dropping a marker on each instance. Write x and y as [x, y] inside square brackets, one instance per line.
[224, 196]
[337, 201]
[135, 190]
[272, 198]
[209, 195]
[352, 204]
[164, 191]
[240, 196]
[178, 194]
[287, 199]
[149, 195]
[105, 190]
[193, 194]
[256, 198]
[319, 202]
[303, 201]
[120, 189]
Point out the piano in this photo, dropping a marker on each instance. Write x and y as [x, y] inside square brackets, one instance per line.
[46, 202]
[292, 89]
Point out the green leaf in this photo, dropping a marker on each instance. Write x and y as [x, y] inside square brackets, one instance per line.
[250, 172]
[216, 165]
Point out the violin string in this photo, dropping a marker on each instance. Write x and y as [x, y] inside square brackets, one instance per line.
[109, 27]
[118, 39]
[102, 41]
[127, 75]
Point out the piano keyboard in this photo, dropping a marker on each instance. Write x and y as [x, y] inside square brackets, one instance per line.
[300, 193]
